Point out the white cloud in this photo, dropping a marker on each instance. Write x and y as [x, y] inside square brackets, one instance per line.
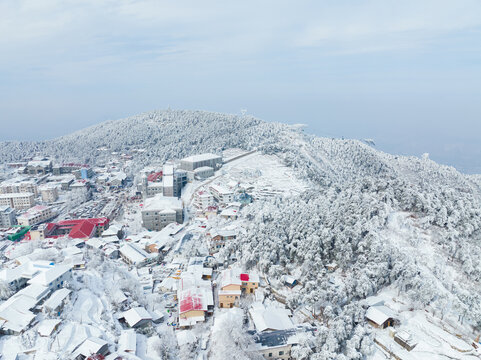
[213, 28]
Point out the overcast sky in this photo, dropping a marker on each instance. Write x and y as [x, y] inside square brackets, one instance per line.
[404, 73]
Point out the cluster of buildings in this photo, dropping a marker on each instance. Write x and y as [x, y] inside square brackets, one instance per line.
[174, 176]
[36, 215]
[160, 211]
[233, 284]
[194, 293]
[39, 286]
[74, 229]
[161, 190]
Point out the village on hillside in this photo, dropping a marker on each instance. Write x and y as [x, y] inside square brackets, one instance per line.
[99, 263]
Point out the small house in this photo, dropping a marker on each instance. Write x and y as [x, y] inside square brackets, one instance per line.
[128, 341]
[380, 316]
[137, 317]
[405, 339]
[90, 347]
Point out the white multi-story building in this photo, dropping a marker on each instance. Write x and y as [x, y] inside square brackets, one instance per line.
[204, 172]
[36, 215]
[7, 216]
[196, 161]
[221, 194]
[49, 193]
[159, 211]
[203, 199]
[53, 278]
[18, 201]
[19, 187]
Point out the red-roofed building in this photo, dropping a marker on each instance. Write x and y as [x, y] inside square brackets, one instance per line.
[192, 306]
[233, 283]
[76, 229]
[156, 176]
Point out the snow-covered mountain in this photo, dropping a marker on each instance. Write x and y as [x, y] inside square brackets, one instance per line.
[385, 220]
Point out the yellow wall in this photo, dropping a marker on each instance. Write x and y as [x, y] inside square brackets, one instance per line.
[227, 300]
[231, 287]
[249, 286]
[192, 313]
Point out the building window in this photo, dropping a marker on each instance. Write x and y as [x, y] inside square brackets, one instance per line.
[270, 354]
[281, 353]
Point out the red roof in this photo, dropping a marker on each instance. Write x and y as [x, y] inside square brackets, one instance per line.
[191, 301]
[96, 357]
[80, 228]
[154, 176]
[244, 277]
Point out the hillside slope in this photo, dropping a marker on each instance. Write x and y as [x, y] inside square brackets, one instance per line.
[386, 220]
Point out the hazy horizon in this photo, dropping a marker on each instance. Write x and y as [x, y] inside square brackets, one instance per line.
[405, 74]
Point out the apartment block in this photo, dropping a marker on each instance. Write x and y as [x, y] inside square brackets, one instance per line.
[18, 201]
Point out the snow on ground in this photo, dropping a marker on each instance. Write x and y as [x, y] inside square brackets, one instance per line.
[265, 173]
[433, 341]
[87, 308]
[434, 337]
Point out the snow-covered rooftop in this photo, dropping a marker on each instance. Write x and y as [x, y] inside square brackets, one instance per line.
[202, 157]
[159, 203]
[50, 275]
[135, 315]
[55, 300]
[128, 341]
[379, 314]
[270, 318]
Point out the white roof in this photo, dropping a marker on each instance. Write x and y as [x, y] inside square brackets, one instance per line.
[201, 157]
[169, 283]
[35, 291]
[95, 243]
[223, 233]
[379, 314]
[220, 189]
[42, 163]
[111, 231]
[230, 277]
[134, 253]
[46, 327]
[288, 279]
[168, 169]
[9, 275]
[91, 346]
[128, 341]
[203, 168]
[190, 321]
[56, 299]
[229, 212]
[159, 203]
[135, 315]
[109, 249]
[50, 275]
[270, 318]
[16, 195]
[16, 312]
[33, 212]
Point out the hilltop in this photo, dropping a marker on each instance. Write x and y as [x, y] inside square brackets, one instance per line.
[390, 224]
